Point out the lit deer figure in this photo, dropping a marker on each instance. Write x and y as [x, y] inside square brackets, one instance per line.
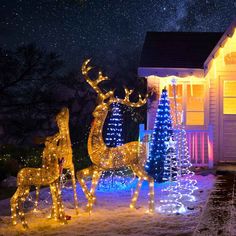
[47, 175]
[105, 158]
[65, 150]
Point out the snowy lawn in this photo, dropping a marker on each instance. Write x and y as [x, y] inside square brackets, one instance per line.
[111, 214]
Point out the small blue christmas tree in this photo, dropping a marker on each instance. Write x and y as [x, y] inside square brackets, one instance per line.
[114, 130]
[161, 133]
[113, 136]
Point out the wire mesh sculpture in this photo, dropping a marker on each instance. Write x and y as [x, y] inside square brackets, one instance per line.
[132, 154]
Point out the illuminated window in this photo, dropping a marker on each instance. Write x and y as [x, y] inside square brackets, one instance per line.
[229, 103]
[195, 104]
[190, 100]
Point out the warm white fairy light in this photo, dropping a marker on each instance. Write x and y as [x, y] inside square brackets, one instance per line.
[65, 151]
[47, 175]
[104, 158]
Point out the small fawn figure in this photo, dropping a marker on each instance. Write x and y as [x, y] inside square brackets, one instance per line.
[48, 174]
[65, 150]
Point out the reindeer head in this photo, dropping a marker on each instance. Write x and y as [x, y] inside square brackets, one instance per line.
[62, 117]
[105, 99]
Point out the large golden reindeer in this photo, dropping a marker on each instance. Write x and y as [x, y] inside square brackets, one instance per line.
[105, 158]
[47, 175]
[65, 150]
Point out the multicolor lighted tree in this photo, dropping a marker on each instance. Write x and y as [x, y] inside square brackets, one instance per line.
[161, 133]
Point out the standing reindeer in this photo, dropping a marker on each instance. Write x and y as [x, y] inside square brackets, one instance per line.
[47, 175]
[65, 150]
[105, 158]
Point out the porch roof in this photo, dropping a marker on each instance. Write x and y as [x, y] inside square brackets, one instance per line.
[182, 50]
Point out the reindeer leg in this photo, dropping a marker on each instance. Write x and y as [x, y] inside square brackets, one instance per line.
[151, 195]
[60, 207]
[55, 211]
[24, 192]
[72, 172]
[136, 193]
[95, 180]
[36, 198]
[141, 173]
[80, 177]
[14, 206]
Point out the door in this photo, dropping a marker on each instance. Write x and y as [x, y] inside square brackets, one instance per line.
[228, 118]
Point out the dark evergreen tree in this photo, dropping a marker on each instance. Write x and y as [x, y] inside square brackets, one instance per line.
[161, 133]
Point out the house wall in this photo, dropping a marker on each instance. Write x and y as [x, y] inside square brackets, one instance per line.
[222, 67]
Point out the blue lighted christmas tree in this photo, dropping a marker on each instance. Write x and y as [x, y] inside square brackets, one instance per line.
[114, 130]
[161, 134]
[113, 136]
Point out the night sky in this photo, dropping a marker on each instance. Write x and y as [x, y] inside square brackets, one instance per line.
[104, 29]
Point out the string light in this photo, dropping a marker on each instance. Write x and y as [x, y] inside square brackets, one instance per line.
[161, 133]
[47, 175]
[172, 202]
[104, 158]
[57, 149]
[122, 178]
[65, 151]
[186, 184]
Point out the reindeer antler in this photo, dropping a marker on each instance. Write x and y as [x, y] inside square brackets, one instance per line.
[126, 99]
[110, 94]
[94, 83]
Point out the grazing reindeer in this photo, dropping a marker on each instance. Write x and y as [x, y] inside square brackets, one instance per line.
[105, 158]
[47, 175]
[65, 150]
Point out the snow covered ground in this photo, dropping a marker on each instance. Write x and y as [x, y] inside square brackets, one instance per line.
[112, 215]
[219, 216]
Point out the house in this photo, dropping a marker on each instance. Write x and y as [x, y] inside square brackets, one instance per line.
[203, 65]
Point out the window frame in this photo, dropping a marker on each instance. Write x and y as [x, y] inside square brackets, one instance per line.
[226, 96]
[204, 108]
[185, 83]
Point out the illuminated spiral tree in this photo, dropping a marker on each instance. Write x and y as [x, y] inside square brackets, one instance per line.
[187, 184]
[161, 133]
[115, 179]
[187, 181]
[171, 202]
[170, 162]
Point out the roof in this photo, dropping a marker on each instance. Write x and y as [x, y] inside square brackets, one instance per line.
[178, 49]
